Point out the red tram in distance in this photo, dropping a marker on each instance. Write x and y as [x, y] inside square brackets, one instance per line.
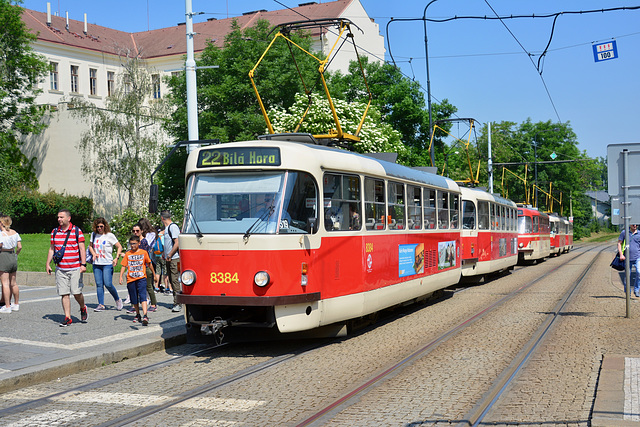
[534, 240]
[561, 234]
[568, 242]
[284, 237]
[489, 233]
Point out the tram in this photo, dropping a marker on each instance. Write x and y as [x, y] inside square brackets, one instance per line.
[534, 240]
[489, 233]
[557, 235]
[568, 242]
[282, 237]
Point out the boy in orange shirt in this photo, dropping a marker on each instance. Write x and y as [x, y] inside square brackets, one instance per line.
[135, 261]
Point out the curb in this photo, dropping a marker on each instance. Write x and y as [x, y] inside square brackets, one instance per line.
[72, 365]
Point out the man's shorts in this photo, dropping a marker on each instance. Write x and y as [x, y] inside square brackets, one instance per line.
[137, 290]
[69, 281]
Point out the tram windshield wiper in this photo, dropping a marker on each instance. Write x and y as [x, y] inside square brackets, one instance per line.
[266, 214]
[195, 223]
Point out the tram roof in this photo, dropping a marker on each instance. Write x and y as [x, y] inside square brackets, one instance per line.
[484, 195]
[348, 161]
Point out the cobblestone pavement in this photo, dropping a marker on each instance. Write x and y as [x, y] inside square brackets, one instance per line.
[557, 387]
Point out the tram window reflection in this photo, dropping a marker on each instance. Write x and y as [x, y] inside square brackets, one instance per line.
[429, 208]
[396, 206]
[468, 215]
[374, 203]
[414, 207]
[342, 206]
[443, 209]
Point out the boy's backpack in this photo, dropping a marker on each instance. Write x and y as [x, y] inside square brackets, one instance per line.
[158, 246]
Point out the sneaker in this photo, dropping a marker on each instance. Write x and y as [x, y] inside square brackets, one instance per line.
[5, 309]
[127, 301]
[168, 292]
[152, 308]
[100, 307]
[66, 322]
[177, 308]
[15, 307]
[145, 321]
[131, 310]
[119, 304]
[83, 314]
[137, 319]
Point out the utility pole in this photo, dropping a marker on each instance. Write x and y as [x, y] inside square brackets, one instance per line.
[190, 70]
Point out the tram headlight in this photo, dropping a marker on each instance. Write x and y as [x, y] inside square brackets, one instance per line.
[521, 245]
[188, 277]
[261, 279]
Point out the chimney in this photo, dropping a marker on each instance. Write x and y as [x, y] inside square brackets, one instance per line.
[85, 24]
[67, 26]
[48, 14]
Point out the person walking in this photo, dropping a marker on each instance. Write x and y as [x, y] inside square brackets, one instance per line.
[67, 244]
[10, 247]
[172, 255]
[633, 243]
[101, 247]
[135, 262]
[146, 243]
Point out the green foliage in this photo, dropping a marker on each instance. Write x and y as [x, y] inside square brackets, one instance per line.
[170, 177]
[375, 136]
[227, 104]
[20, 71]
[122, 224]
[33, 212]
[123, 145]
[401, 103]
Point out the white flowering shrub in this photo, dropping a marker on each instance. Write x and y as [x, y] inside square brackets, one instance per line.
[375, 135]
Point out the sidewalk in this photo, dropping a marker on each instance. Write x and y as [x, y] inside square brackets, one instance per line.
[34, 348]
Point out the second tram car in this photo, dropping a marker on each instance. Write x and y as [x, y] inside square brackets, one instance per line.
[557, 235]
[568, 242]
[534, 241]
[281, 237]
[489, 233]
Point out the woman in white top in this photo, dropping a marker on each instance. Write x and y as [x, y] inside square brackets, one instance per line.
[101, 247]
[10, 247]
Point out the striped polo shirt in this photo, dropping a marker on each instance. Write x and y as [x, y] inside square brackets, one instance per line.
[71, 259]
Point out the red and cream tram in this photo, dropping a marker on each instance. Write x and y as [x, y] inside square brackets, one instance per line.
[534, 242]
[557, 235]
[282, 237]
[568, 242]
[489, 233]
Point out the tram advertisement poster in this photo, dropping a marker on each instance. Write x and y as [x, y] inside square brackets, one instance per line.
[410, 259]
[446, 254]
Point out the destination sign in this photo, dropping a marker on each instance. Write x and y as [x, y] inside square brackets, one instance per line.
[245, 156]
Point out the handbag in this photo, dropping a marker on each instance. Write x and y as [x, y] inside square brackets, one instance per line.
[617, 263]
[89, 255]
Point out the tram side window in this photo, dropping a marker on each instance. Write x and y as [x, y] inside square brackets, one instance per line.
[454, 211]
[429, 208]
[374, 203]
[396, 205]
[503, 218]
[468, 215]
[524, 225]
[443, 209]
[414, 207]
[513, 225]
[536, 224]
[483, 215]
[341, 202]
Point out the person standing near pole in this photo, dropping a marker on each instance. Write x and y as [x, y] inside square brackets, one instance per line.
[633, 243]
[68, 252]
[172, 255]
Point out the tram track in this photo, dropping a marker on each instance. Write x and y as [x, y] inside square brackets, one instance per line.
[474, 416]
[219, 384]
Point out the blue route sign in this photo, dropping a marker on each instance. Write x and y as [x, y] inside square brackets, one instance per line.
[605, 51]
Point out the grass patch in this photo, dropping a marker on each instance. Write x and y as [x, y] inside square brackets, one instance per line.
[35, 248]
[602, 236]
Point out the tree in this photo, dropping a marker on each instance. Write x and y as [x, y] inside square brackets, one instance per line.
[20, 71]
[375, 136]
[401, 104]
[123, 145]
[227, 104]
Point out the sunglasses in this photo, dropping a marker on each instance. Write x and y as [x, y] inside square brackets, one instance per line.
[100, 226]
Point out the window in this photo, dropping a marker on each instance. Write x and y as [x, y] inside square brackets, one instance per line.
[93, 81]
[429, 208]
[74, 79]
[414, 207]
[468, 215]
[524, 224]
[111, 82]
[536, 222]
[454, 210]
[374, 203]
[342, 209]
[443, 209]
[395, 215]
[155, 81]
[483, 215]
[252, 203]
[53, 75]
[494, 217]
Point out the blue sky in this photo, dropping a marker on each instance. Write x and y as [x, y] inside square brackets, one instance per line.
[476, 64]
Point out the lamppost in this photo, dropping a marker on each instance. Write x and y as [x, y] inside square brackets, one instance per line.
[426, 51]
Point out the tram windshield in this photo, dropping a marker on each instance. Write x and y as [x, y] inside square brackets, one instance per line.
[525, 225]
[280, 202]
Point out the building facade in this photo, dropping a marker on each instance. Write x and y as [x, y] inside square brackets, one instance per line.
[86, 60]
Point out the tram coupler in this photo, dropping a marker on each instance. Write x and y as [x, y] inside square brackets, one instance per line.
[214, 327]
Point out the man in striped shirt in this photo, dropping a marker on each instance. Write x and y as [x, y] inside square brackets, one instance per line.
[69, 270]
